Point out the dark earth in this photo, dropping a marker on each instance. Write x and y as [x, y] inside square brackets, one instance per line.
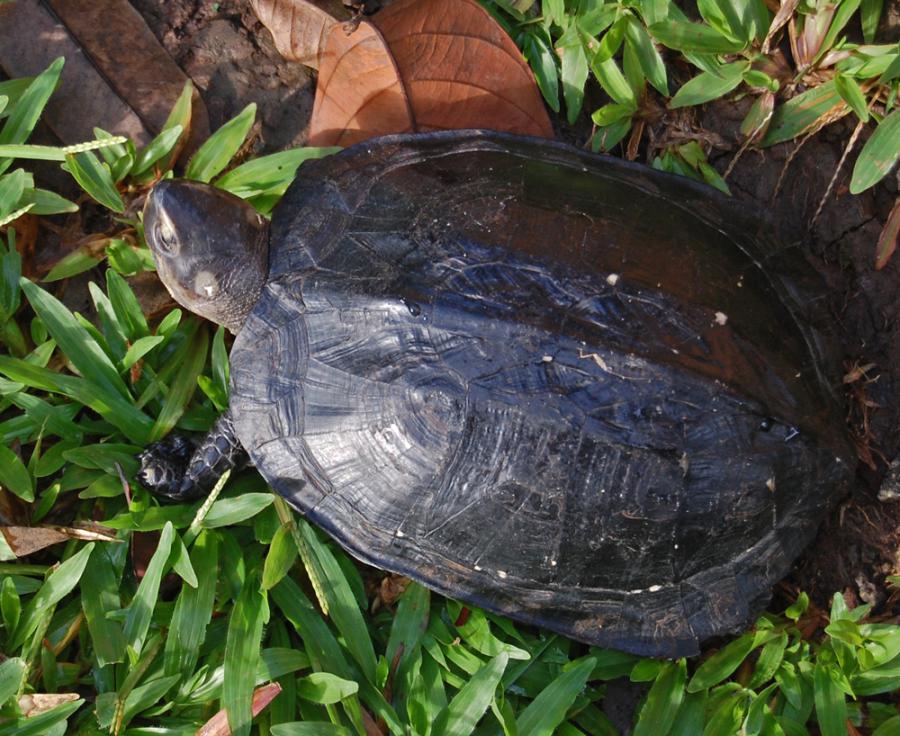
[232, 61]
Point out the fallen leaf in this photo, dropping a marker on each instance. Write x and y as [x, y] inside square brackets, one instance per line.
[299, 27]
[346, 111]
[423, 65]
[37, 703]
[887, 240]
[143, 545]
[784, 14]
[391, 588]
[25, 540]
[218, 724]
[857, 372]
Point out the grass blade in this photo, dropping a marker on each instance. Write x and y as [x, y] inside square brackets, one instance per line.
[540, 57]
[462, 713]
[722, 663]
[650, 60]
[42, 724]
[214, 155]
[28, 108]
[75, 342]
[706, 86]
[548, 709]
[184, 384]
[324, 652]
[870, 13]
[158, 148]
[879, 154]
[800, 113]
[407, 629]
[342, 605]
[193, 608]
[95, 178]
[282, 555]
[614, 83]
[100, 596]
[126, 306]
[72, 264]
[11, 673]
[139, 349]
[137, 620]
[269, 172]
[309, 728]
[831, 704]
[57, 586]
[693, 37]
[245, 627]
[230, 511]
[574, 74]
[663, 700]
[325, 688]
[14, 476]
[121, 414]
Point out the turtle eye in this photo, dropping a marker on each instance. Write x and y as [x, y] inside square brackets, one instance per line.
[165, 237]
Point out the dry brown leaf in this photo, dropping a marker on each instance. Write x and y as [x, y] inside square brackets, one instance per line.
[359, 94]
[37, 703]
[857, 372]
[143, 545]
[299, 27]
[218, 724]
[391, 588]
[887, 241]
[423, 65]
[117, 76]
[784, 14]
[25, 540]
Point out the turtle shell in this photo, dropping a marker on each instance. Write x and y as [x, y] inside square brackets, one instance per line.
[565, 388]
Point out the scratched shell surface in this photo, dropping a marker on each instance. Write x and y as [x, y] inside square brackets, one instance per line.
[565, 388]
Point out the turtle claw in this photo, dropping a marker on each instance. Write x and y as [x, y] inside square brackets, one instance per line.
[179, 470]
[163, 468]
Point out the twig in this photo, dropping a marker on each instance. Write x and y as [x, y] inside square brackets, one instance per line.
[837, 170]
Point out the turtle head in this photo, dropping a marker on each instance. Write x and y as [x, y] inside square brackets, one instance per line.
[210, 248]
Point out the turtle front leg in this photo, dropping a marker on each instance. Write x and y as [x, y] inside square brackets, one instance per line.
[176, 469]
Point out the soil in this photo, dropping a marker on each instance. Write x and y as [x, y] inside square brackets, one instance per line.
[232, 61]
[231, 58]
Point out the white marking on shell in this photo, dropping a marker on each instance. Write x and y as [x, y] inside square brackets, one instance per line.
[721, 318]
[612, 279]
[547, 359]
[770, 484]
[654, 588]
[501, 574]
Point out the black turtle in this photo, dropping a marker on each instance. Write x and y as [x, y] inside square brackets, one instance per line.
[569, 389]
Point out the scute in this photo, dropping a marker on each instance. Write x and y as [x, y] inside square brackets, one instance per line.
[475, 364]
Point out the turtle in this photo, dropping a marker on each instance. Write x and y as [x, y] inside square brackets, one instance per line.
[569, 389]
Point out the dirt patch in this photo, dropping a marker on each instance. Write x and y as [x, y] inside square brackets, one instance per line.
[230, 57]
[858, 544]
[232, 60]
